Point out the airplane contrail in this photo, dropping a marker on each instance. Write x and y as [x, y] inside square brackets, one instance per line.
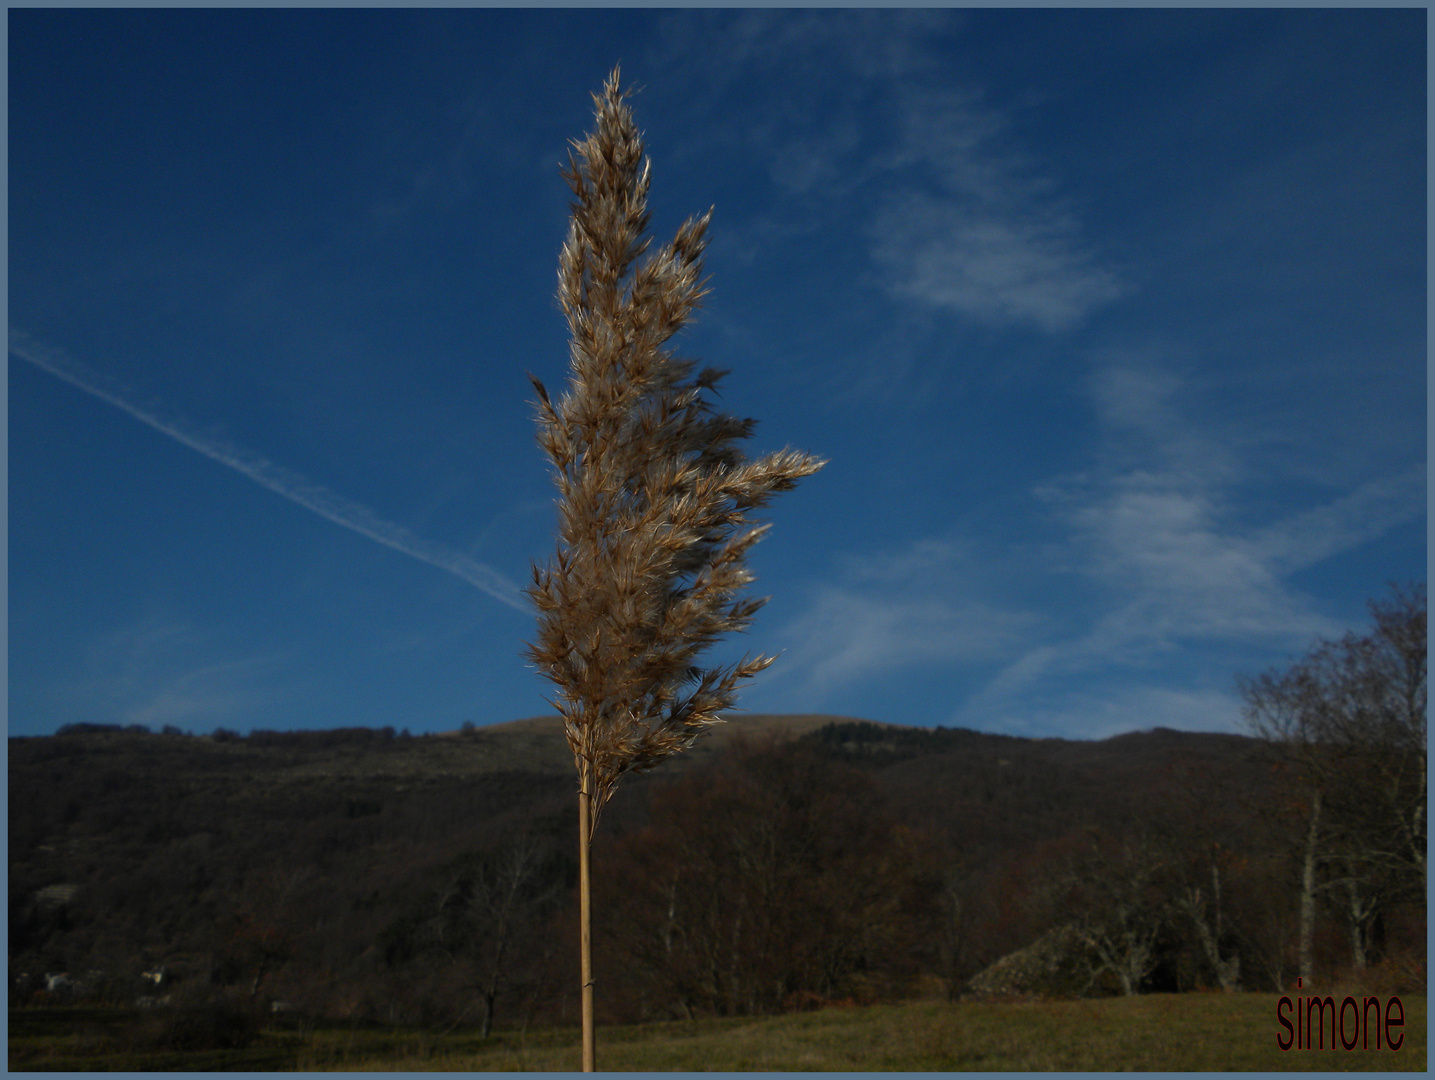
[276, 478]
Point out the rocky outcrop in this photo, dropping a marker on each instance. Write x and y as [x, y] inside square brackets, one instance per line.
[1057, 964]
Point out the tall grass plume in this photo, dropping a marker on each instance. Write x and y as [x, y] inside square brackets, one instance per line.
[655, 495]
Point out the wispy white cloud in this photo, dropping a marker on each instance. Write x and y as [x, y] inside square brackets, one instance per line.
[994, 266]
[160, 669]
[718, 48]
[850, 634]
[921, 606]
[1158, 541]
[336, 508]
[210, 694]
[969, 225]
[953, 213]
[1158, 531]
[1352, 519]
[1158, 579]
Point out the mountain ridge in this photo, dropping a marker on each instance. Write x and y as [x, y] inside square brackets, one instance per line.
[129, 849]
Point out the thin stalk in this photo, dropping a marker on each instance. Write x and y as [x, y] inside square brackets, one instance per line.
[1307, 895]
[585, 918]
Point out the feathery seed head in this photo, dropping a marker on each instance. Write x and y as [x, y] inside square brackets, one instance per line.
[653, 488]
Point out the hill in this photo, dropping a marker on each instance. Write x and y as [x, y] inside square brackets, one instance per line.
[364, 872]
[538, 743]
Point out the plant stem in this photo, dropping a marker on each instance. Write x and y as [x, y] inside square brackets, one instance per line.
[585, 919]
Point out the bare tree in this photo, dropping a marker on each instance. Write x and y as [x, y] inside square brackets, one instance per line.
[501, 892]
[485, 905]
[1122, 906]
[1394, 718]
[769, 879]
[654, 496]
[1349, 720]
[1203, 835]
[264, 935]
[1203, 907]
[957, 921]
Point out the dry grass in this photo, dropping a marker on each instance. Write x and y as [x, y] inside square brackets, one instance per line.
[655, 494]
[1200, 1032]
[1158, 1033]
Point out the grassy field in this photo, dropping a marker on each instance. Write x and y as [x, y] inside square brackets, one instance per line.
[1154, 1033]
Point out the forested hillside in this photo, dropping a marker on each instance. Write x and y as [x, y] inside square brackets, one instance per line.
[368, 874]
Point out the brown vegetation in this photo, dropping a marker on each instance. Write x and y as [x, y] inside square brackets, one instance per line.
[375, 881]
[1151, 1033]
[655, 496]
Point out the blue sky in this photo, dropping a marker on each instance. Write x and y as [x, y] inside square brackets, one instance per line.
[1111, 324]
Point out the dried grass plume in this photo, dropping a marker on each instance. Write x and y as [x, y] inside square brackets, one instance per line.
[654, 492]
